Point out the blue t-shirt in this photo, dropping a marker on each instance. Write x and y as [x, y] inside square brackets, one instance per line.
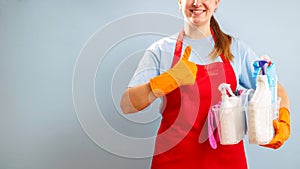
[158, 58]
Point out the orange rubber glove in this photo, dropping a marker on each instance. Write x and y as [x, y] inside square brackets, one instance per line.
[282, 129]
[183, 73]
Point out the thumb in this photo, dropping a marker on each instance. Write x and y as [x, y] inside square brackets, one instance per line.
[187, 53]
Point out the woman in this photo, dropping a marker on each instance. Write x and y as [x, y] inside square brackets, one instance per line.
[189, 87]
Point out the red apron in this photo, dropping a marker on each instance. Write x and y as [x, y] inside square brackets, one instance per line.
[184, 113]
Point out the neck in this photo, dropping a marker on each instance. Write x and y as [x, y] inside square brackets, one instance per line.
[196, 32]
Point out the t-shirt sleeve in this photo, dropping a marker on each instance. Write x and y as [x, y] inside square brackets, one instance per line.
[244, 58]
[148, 67]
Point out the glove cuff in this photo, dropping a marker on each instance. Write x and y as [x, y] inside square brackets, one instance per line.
[284, 109]
[163, 84]
[284, 115]
[284, 119]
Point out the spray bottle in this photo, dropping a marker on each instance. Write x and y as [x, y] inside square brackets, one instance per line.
[260, 117]
[266, 67]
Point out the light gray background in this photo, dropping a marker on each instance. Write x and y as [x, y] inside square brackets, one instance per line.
[41, 40]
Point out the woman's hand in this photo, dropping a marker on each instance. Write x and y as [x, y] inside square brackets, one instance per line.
[139, 97]
[183, 73]
[282, 129]
[282, 125]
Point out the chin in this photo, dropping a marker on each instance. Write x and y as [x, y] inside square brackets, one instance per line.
[198, 22]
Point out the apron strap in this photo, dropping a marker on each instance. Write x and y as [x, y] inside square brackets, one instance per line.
[215, 39]
[178, 47]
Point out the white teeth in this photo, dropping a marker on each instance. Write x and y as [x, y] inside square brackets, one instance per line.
[198, 10]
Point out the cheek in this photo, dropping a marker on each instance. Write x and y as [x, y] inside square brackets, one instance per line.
[210, 3]
[185, 9]
[210, 6]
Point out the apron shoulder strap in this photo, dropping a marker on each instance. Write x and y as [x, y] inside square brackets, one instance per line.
[178, 47]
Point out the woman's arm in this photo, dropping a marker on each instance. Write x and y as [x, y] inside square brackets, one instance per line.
[137, 98]
[284, 96]
[282, 125]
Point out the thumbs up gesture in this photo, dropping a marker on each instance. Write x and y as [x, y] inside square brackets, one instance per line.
[183, 73]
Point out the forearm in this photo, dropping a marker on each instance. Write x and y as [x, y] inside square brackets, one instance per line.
[137, 98]
[284, 96]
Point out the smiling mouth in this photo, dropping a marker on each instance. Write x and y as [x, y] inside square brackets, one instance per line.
[197, 11]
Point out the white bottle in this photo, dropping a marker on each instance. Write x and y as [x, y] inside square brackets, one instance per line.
[260, 120]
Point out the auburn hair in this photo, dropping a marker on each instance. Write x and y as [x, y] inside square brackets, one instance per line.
[222, 41]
